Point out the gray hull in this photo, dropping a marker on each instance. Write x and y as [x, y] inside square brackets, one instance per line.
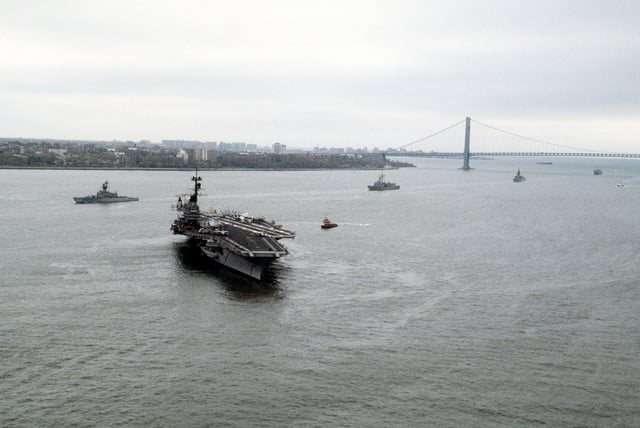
[394, 187]
[94, 200]
[248, 266]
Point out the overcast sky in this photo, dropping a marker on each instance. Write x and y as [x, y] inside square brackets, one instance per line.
[330, 73]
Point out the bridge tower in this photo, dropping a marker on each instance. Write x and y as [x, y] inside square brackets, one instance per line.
[467, 138]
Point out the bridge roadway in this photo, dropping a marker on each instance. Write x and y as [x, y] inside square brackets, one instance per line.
[487, 154]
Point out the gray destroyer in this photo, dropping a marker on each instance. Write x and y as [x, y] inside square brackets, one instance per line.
[380, 184]
[240, 242]
[519, 178]
[103, 196]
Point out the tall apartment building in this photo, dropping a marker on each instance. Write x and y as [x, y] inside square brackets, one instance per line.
[279, 148]
[197, 153]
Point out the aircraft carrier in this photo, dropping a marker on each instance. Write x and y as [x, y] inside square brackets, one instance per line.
[241, 242]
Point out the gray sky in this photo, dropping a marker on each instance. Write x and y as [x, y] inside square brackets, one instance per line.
[332, 73]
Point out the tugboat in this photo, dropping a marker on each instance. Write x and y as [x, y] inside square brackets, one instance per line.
[597, 171]
[241, 242]
[518, 178]
[380, 184]
[328, 224]
[103, 196]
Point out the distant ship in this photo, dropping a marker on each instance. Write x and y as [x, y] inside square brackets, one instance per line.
[240, 242]
[597, 171]
[103, 196]
[544, 163]
[518, 178]
[380, 184]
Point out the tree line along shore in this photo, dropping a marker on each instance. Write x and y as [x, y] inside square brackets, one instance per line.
[93, 156]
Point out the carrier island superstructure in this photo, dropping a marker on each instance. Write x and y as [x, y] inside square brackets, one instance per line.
[241, 242]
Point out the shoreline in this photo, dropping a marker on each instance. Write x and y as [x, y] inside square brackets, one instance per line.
[89, 168]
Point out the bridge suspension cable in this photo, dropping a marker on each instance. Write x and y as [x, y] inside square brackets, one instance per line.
[513, 134]
[432, 135]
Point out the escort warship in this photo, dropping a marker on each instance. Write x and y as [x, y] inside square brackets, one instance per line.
[240, 242]
[519, 178]
[103, 196]
[380, 184]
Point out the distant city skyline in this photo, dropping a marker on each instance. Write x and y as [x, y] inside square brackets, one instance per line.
[334, 73]
[196, 144]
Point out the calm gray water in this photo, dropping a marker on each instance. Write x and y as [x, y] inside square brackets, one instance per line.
[462, 299]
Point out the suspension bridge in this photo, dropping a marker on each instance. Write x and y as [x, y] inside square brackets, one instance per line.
[493, 142]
